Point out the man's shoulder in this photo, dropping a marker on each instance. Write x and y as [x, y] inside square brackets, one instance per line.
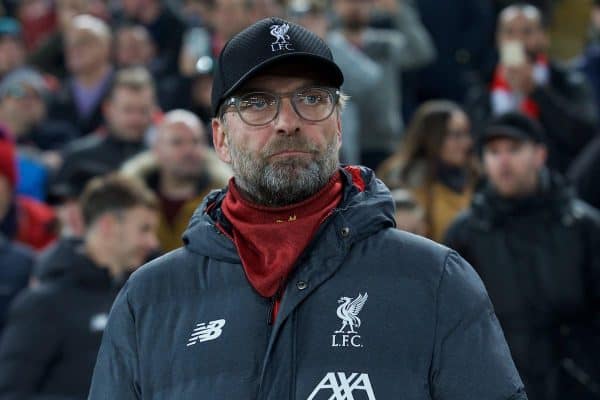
[171, 268]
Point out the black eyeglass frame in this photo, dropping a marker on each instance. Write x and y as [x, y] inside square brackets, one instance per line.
[234, 101]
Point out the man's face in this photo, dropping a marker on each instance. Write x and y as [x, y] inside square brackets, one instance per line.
[129, 112]
[25, 108]
[85, 50]
[135, 236]
[285, 161]
[525, 28]
[133, 47]
[12, 54]
[179, 149]
[513, 166]
[354, 14]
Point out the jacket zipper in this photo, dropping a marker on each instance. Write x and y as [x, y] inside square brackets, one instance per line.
[273, 303]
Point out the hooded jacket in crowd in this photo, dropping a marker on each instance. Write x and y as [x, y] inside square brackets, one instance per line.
[539, 259]
[53, 333]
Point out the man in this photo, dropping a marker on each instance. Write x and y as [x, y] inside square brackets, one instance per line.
[535, 247]
[181, 169]
[247, 309]
[392, 52]
[129, 110]
[527, 81]
[54, 330]
[87, 43]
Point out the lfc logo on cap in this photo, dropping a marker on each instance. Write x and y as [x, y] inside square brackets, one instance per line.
[282, 39]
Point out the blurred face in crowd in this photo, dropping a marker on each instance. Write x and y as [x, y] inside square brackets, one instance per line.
[179, 150]
[129, 112]
[133, 47]
[524, 26]
[458, 143]
[12, 54]
[85, 50]
[230, 17]
[132, 235]
[354, 14]
[286, 160]
[22, 109]
[513, 166]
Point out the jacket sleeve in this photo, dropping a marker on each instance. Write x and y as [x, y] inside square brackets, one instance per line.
[30, 342]
[471, 359]
[116, 373]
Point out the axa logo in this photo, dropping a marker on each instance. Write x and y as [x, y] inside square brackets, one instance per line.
[282, 39]
[339, 386]
[203, 332]
[347, 311]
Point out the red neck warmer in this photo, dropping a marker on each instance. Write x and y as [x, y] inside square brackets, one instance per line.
[270, 240]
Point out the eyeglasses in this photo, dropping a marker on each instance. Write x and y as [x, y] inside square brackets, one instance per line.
[315, 103]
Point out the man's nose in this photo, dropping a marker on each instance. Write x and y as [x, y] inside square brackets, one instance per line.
[288, 121]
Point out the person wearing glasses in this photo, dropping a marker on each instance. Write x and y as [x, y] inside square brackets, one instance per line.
[292, 282]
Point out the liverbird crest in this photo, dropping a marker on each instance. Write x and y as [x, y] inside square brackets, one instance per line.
[280, 33]
[348, 311]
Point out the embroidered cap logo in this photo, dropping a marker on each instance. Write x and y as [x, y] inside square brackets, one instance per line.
[279, 32]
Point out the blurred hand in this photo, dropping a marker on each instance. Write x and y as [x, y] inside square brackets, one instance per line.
[520, 78]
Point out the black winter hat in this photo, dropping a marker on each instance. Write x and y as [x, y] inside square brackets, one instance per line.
[262, 44]
[516, 126]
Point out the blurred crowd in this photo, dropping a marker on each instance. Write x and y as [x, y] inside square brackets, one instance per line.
[489, 145]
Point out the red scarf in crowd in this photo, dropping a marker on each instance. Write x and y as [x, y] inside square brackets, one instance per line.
[503, 97]
[270, 240]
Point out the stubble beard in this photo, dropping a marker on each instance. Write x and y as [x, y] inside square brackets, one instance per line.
[284, 182]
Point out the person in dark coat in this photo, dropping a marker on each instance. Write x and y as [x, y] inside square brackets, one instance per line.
[528, 81]
[535, 246]
[16, 262]
[129, 111]
[293, 282]
[585, 173]
[53, 330]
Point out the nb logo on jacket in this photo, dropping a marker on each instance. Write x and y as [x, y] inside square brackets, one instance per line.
[204, 332]
[339, 386]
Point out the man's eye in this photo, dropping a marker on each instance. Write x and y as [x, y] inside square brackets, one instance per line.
[255, 103]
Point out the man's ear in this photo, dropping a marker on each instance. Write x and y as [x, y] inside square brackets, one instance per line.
[220, 140]
[541, 155]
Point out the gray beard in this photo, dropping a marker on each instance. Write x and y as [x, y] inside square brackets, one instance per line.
[284, 182]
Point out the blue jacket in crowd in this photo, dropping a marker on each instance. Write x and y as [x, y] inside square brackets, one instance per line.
[369, 312]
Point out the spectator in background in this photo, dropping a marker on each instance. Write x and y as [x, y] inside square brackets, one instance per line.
[16, 262]
[462, 31]
[23, 95]
[228, 18]
[129, 108]
[53, 331]
[409, 215]
[166, 28]
[436, 162]
[392, 51]
[12, 48]
[535, 246]
[526, 80]
[22, 218]
[88, 59]
[133, 47]
[589, 61]
[182, 170]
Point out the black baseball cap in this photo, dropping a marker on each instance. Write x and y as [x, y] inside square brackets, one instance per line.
[516, 126]
[266, 42]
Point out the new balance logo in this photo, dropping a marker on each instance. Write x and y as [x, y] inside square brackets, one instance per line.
[338, 386]
[204, 332]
